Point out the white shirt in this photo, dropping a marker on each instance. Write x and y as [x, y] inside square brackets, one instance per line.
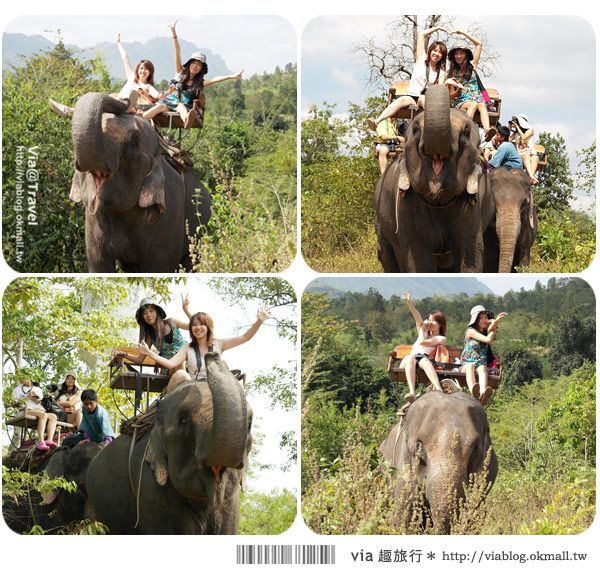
[192, 362]
[131, 85]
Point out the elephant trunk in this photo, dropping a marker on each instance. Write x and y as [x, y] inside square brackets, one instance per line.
[230, 426]
[444, 488]
[92, 153]
[508, 226]
[437, 133]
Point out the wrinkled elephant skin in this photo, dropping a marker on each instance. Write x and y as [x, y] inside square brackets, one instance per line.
[434, 208]
[136, 203]
[442, 441]
[192, 463]
[516, 219]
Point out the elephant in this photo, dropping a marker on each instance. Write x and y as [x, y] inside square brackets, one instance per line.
[434, 207]
[516, 219]
[185, 475]
[136, 203]
[442, 440]
[60, 508]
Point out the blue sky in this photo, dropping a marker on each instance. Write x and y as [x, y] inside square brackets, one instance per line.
[253, 43]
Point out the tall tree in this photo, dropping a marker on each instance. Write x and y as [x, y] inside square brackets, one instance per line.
[392, 57]
[555, 189]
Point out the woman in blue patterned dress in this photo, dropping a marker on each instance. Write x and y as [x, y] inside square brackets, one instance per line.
[478, 338]
[186, 93]
[463, 62]
[159, 331]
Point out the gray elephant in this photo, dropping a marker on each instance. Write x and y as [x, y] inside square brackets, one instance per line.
[57, 509]
[434, 208]
[184, 476]
[516, 219]
[136, 203]
[442, 440]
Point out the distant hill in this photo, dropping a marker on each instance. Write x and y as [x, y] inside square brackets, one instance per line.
[418, 287]
[159, 50]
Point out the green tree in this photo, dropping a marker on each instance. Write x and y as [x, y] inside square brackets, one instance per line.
[555, 189]
[585, 175]
[29, 126]
[519, 367]
[574, 343]
[322, 135]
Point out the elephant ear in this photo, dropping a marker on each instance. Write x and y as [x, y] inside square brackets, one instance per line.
[77, 187]
[153, 187]
[57, 467]
[473, 180]
[391, 447]
[157, 455]
[403, 178]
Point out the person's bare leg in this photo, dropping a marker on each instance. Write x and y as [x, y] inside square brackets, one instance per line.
[482, 374]
[470, 108]
[177, 378]
[410, 369]
[469, 370]
[428, 368]
[184, 113]
[154, 111]
[394, 107]
[382, 155]
[51, 426]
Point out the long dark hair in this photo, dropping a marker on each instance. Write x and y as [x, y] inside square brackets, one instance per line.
[150, 66]
[440, 319]
[463, 72]
[153, 335]
[442, 62]
[197, 82]
[203, 319]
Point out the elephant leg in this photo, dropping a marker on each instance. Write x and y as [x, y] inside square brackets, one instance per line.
[99, 258]
[387, 256]
[422, 260]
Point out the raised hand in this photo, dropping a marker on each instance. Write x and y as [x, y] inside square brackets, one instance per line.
[185, 302]
[144, 349]
[238, 75]
[262, 315]
[173, 28]
[406, 296]
[118, 37]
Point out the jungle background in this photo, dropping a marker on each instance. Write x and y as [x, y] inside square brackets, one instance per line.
[339, 171]
[542, 417]
[53, 326]
[245, 155]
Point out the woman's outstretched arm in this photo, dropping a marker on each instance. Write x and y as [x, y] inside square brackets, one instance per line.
[176, 48]
[261, 316]
[129, 72]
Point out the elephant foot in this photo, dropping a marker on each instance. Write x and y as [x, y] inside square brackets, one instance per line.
[486, 396]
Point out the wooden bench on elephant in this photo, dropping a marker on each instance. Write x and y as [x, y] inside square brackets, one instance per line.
[141, 378]
[401, 88]
[27, 423]
[443, 369]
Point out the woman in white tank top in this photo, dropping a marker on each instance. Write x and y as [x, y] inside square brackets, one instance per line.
[429, 69]
[431, 334]
[203, 342]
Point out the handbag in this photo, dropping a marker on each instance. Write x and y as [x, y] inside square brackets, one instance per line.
[484, 93]
[50, 405]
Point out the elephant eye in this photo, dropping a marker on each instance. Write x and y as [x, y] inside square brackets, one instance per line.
[466, 132]
[420, 453]
[135, 141]
[183, 419]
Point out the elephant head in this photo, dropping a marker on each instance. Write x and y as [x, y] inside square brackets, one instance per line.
[441, 158]
[201, 436]
[117, 157]
[516, 221]
[443, 440]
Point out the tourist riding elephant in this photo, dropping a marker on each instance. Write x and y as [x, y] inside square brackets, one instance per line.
[516, 220]
[136, 203]
[183, 476]
[442, 440]
[434, 208]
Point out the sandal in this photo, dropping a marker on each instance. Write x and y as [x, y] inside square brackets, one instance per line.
[475, 390]
[410, 398]
[41, 446]
[372, 124]
[486, 396]
[490, 134]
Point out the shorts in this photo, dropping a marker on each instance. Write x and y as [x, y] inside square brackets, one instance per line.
[389, 144]
[419, 356]
[172, 101]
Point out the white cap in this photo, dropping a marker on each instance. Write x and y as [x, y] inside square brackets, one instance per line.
[475, 312]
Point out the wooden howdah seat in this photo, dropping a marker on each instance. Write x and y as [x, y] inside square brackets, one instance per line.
[28, 423]
[444, 370]
[401, 88]
[141, 378]
[169, 120]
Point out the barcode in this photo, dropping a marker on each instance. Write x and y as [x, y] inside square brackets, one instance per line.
[285, 554]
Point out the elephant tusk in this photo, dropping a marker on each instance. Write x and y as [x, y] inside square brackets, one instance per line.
[399, 193]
